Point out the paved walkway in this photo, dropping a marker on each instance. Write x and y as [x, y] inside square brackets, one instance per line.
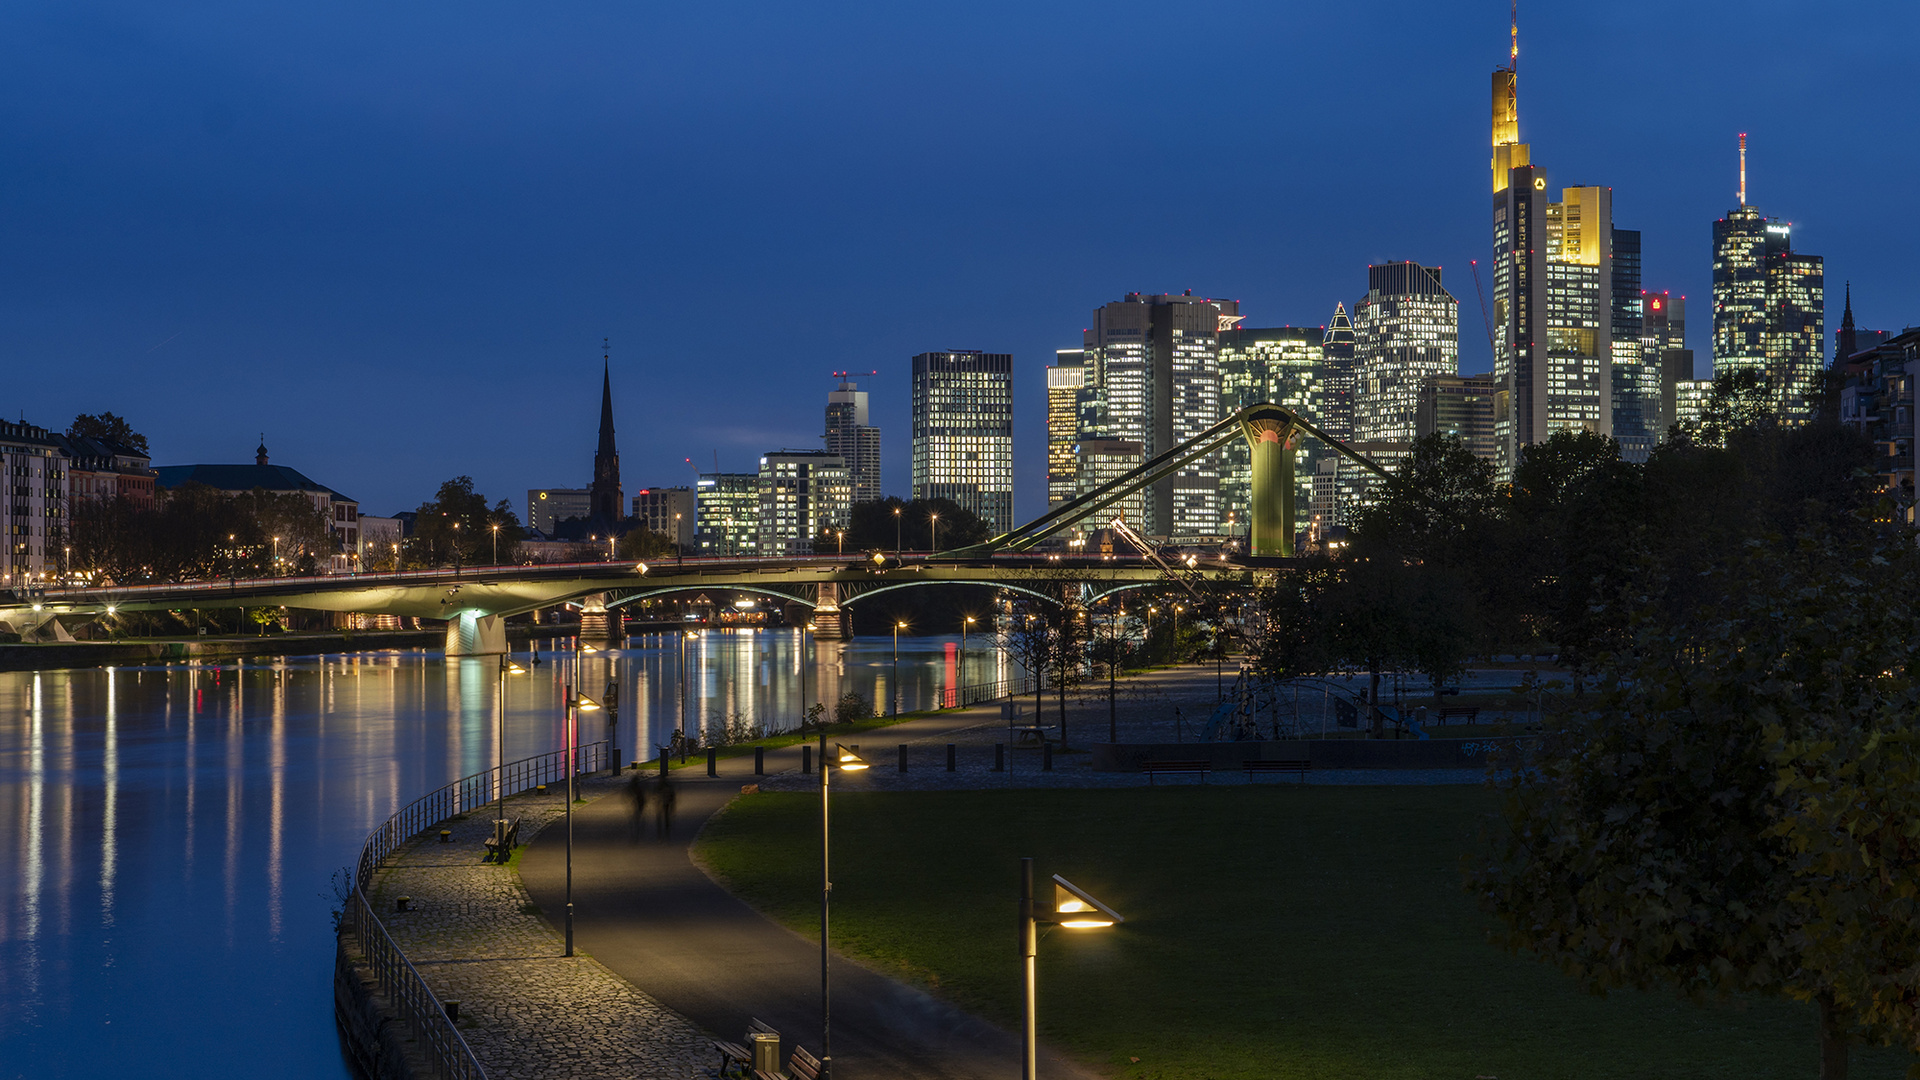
[527, 1010]
[643, 909]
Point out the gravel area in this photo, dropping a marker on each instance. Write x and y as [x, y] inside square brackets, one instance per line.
[525, 1009]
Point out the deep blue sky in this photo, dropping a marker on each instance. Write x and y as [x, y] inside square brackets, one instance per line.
[392, 236]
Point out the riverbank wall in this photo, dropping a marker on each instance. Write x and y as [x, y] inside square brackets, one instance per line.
[77, 654]
[372, 1036]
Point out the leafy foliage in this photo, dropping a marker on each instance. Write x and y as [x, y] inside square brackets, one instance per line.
[457, 528]
[109, 427]
[871, 526]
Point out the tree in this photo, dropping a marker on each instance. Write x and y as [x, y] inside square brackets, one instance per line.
[870, 526]
[1739, 400]
[297, 533]
[457, 527]
[108, 427]
[641, 544]
[1048, 637]
[1711, 819]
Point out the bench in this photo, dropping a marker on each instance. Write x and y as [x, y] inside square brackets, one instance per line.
[802, 1065]
[506, 834]
[1468, 713]
[732, 1054]
[1156, 768]
[1029, 735]
[1298, 768]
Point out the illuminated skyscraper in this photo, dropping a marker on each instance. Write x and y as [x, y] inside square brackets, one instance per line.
[1405, 330]
[1336, 345]
[1635, 371]
[1287, 366]
[1553, 284]
[803, 496]
[1153, 377]
[963, 432]
[1065, 379]
[1663, 340]
[857, 442]
[1459, 406]
[1769, 304]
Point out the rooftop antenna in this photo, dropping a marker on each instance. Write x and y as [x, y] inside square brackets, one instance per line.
[1513, 50]
[1743, 168]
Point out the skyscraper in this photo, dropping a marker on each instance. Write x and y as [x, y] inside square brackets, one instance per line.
[1286, 366]
[1153, 377]
[1406, 329]
[1459, 406]
[1065, 379]
[963, 432]
[1336, 347]
[1769, 304]
[727, 506]
[1663, 344]
[1553, 282]
[1635, 371]
[857, 442]
[605, 503]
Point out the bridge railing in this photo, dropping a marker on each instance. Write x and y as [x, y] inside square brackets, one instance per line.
[426, 1018]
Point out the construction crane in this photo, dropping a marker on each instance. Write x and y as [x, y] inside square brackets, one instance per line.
[1474, 265]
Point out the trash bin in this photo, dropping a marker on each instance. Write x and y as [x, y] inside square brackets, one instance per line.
[766, 1052]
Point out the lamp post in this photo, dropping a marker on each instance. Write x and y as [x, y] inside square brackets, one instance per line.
[496, 544]
[893, 694]
[507, 667]
[964, 623]
[1113, 664]
[396, 558]
[896, 531]
[1074, 909]
[806, 630]
[851, 762]
[276, 556]
[840, 537]
[679, 549]
[576, 703]
[933, 540]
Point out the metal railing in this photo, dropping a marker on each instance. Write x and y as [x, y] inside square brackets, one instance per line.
[425, 1016]
[957, 697]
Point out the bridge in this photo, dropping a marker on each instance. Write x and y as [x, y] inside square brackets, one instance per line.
[475, 601]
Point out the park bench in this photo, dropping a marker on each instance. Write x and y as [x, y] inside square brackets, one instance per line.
[1298, 768]
[802, 1065]
[732, 1054]
[1467, 713]
[506, 834]
[1156, 768]
[1029, 735]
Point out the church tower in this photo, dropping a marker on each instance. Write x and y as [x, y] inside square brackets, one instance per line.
[604, 495]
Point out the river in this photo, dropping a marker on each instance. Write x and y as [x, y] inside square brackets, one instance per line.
[169, 832]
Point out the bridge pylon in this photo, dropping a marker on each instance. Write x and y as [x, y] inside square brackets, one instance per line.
[471, 633]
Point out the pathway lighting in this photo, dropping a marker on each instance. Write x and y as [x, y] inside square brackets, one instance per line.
[934, 532]
[851, 762]
[507, 667]
[893, 691]
[576, 703]
[896, 530]
[1073, 909]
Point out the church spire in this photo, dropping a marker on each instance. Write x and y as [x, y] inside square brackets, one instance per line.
[1849, 342]
[604, 495]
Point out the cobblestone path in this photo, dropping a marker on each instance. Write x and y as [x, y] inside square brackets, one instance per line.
[527, 1011]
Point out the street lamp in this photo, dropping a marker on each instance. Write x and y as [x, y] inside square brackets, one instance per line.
[964, 623]
[933, 541]
[893, 697]
[576, 703]
[896, 530]
[679, 549]
[1073, 909]
[809, 628]
[507, 667]
[851, 762]
[496, 543]
[276, 556]
[840, 537]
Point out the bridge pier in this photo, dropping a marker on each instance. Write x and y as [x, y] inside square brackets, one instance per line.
[1271, 517]
[597, 623]
[472, 634]
[830, 621]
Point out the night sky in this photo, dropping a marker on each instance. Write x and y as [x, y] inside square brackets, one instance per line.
[392, 236]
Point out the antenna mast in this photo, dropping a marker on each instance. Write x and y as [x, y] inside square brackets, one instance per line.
[1743, 168]
[1513, 50]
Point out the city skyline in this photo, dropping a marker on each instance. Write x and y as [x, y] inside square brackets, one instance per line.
[202, 351]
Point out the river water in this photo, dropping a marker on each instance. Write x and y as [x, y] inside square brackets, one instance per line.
[168, 833]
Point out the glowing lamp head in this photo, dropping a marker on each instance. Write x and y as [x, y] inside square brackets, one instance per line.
[512, 668]
[847, 759]
[585, 704]
[1078, 910]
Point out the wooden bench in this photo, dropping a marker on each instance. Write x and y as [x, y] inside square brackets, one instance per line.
[1299, 768]
[1468, 713]
[1029, 735]
[732, 1054]
[802, 1065]
[501, 844]
[1156, 768]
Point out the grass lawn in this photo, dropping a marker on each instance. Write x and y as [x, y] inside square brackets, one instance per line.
[1277, 930]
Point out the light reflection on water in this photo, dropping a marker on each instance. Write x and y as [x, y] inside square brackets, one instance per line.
[168, 832]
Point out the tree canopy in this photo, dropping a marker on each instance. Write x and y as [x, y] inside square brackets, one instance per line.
[107, 426]
[873, 526]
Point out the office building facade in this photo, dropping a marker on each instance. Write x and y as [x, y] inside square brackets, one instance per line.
[1103, 460]
[1663, 343]
[1066, 378]
[34, 512]
[670, 511]
[1459, 407]
[804, 495]
[1337, 351]
[1406, 330]
[1635, 372]
[1153, 377]
[727, 513]
[547, 507]
[854, 439]
[963, 432]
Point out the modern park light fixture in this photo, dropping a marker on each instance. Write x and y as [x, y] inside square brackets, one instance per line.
[845, 759]
[576, 703]
[1073, 909]
[507, 667]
